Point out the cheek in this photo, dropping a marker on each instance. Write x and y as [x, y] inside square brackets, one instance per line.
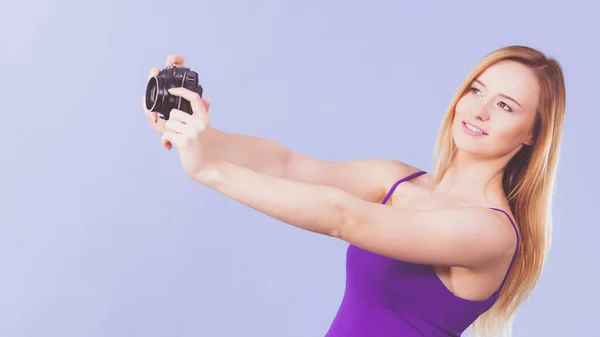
[510, 133]
[460, 111]
[462, 106]
[465, 106]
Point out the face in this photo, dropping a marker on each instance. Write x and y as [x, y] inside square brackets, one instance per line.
[495, 117]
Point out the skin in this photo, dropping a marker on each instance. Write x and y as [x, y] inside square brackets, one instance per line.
[450, 228]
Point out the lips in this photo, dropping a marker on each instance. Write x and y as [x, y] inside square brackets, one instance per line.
[472, 128]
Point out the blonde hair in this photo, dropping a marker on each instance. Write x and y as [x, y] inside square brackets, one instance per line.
[528, 181]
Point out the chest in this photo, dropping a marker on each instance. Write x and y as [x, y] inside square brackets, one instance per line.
[409, 195]
[379, 280]
[418, 196]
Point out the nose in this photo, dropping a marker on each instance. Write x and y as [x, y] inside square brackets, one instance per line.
[481, 112]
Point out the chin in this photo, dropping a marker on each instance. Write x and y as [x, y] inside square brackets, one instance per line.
[477, 146]
[470, 147]
[481, 149]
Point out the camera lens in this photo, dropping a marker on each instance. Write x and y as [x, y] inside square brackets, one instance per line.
[159, 100]
[152, 91]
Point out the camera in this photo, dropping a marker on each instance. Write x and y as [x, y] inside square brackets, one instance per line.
[158, 98]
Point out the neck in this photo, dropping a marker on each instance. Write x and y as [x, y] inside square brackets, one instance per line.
[474, 178]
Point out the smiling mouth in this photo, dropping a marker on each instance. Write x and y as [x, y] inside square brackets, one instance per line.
[473, 129]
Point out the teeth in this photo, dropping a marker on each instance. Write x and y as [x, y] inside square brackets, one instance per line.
[472, 128]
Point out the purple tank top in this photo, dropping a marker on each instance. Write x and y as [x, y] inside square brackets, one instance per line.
[388, 297]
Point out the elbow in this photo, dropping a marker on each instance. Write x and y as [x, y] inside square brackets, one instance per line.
[285, 155]
[345, 217]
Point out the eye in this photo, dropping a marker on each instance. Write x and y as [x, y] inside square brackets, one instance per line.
[505, 106]
[475, 90]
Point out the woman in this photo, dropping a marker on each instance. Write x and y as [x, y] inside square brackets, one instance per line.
[429, 254]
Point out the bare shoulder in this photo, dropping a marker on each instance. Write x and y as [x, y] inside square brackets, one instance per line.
[368, 179]
[491, 228]
[504, 223]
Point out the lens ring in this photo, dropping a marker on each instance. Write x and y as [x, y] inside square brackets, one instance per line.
[152, 93]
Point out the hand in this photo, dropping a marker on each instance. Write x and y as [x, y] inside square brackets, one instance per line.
[187, 132]
[158, 124]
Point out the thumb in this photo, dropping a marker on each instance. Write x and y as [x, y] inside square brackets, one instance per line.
[206, 102]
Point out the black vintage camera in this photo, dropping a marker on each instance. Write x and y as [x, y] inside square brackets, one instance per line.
[158, 98]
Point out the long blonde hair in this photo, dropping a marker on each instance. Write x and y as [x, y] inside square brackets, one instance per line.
[528, 181]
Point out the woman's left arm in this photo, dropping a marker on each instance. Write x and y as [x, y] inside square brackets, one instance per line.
[455, 236]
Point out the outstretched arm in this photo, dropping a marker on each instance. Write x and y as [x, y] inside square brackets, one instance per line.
[454, 236]
[316, 208]
[469, 237]
[367, 179]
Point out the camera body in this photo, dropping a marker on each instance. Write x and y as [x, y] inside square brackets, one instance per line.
[158, 98]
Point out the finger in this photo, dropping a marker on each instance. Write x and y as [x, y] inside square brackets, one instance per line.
[175, 60]
[153, 72]
[179, 116]
[171, 138]
[175, 126]
[152, 116]
[206, 102]
[149, 114]
[183, 122]
[192, 97]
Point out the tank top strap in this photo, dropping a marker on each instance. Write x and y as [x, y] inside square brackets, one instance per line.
[409, 177]
[516, 249]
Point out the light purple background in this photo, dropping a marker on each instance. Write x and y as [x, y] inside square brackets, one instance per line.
[103, 235]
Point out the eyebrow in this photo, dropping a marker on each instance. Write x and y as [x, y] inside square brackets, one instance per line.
[503, 95]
